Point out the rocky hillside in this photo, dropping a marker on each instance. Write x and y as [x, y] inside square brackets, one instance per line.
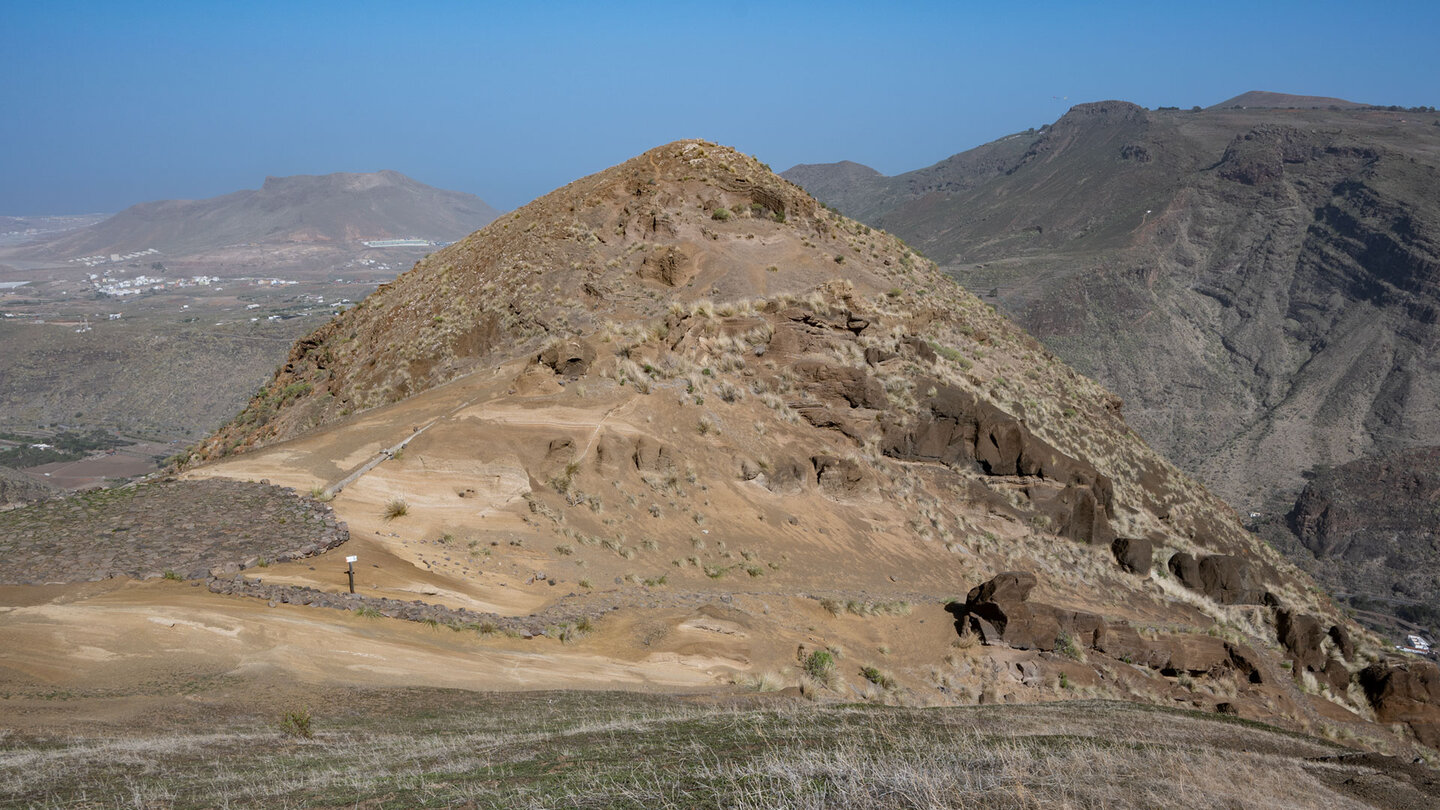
[747, 435]
[17, 488]
[324, 209]
[1368, 531]
[1259, 285]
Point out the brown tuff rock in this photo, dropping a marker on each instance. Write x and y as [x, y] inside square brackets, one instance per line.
[854, 386]
[671, 266]
[570, 358]
[1406, 693]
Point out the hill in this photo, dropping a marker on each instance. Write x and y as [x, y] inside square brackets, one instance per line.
[333, 209]
[676, 427]
[1262, 99]
[1259, 285]
[682, 380]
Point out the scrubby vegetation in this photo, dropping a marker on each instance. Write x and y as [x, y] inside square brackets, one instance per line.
[64, 446]
[637, 751]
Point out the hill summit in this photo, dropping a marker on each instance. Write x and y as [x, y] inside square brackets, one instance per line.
[1263, 99]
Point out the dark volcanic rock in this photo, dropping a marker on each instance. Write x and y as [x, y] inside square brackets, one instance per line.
[1226, 579]
[1133, 554]
[1185, 568]
[999, 611]
[1301, 634]
[959, 430]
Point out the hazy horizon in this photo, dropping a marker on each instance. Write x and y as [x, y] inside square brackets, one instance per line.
[111, 106]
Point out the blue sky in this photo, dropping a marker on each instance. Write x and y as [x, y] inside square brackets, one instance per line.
[107, 104]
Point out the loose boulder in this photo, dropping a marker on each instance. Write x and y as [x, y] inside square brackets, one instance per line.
[1186, 569]
[1226, 579]
[1133, 554]
[1301, 635]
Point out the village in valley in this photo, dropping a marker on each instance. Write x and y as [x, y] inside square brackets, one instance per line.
[57, 318]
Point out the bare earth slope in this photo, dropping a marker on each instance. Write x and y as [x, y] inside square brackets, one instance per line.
[675, 426]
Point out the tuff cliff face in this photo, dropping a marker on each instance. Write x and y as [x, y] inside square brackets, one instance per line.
[1259, 285]
[685, 377]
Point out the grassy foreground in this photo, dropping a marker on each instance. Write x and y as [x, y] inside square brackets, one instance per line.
[578, 749]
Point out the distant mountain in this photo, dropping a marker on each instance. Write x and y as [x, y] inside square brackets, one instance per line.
[1261, 99]
[1262, 286]
[331, 209]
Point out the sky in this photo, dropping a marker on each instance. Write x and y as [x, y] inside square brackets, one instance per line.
[107, 104]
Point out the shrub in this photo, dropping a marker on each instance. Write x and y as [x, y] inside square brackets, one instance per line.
[1066, 645]
[396, 508]
[720, 214]
[820, 665]
[296, 723]
[878, 678]
[172, 575]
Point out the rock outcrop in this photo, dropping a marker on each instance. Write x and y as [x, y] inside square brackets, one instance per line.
[1406, 693]
[1224, 578]
[999, 612]
[959, 430]
[568, 358]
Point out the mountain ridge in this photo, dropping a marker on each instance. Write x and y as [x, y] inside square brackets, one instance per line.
[343, 207]
[1146, 209]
